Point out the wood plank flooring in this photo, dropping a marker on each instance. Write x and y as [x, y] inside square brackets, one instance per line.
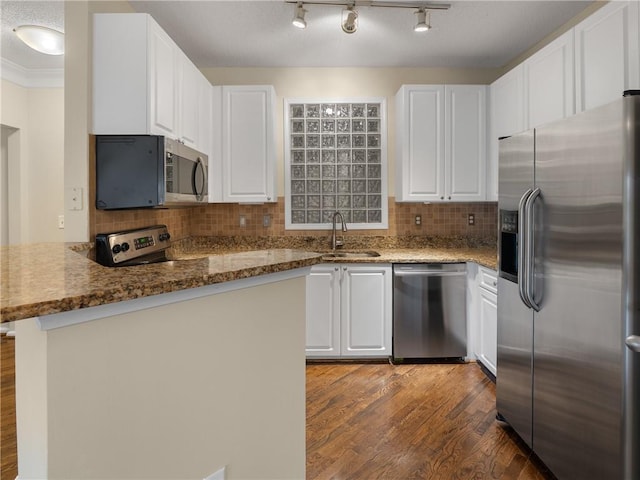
[8, 448]
[380, 421]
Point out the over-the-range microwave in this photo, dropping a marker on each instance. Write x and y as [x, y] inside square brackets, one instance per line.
[137, 171]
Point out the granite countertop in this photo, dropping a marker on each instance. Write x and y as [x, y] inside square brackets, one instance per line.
[47, 278]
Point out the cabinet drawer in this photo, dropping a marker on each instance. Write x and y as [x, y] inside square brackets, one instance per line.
[488, 279]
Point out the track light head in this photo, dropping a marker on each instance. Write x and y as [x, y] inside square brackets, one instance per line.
[298, 18]
[424, 21]
[349, 20]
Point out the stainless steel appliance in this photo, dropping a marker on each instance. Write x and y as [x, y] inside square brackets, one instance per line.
[132, 247]
[568, 291]
[136, 171]
[429, 311]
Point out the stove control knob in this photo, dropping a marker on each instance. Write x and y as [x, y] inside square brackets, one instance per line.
[125, 246]
[164, 237]
[116, 249]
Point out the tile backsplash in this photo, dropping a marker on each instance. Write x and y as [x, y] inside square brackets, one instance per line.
[437, 220]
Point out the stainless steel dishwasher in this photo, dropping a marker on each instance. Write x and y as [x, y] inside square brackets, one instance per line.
[429, 312]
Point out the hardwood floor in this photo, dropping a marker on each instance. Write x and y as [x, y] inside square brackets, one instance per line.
[380, 421]
[8, 448]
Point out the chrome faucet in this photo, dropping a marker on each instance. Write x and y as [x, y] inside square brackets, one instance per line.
[334, 241]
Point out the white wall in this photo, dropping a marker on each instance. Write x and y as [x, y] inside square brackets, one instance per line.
[172, 392]
[35, 152]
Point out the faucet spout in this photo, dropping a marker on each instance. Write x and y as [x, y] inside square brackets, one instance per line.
[334, 240]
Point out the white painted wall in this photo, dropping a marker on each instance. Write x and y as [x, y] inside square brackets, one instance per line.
[34, 122]
[144, 395]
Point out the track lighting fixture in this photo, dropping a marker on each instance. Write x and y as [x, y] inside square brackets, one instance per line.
[349, 20]
[424, 21]
[298, 18]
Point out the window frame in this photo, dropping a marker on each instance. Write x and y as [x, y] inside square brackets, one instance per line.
[384, 166]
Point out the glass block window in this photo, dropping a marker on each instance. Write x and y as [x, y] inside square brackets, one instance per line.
[335, 160]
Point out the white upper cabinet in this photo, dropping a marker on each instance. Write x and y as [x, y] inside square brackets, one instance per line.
[549, 82]
[420, 143]
[248, 144]
[143, 84]
[465, 142]
[507, 117]
[441, 143]
[607, 61]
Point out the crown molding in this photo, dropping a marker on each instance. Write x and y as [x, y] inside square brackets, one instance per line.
[31, 77]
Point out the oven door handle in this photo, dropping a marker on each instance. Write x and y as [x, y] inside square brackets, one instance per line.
[199, 166]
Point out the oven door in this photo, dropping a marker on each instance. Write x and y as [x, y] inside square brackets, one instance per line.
[185, 177]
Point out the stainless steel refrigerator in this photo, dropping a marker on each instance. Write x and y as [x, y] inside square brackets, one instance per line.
[568, 375]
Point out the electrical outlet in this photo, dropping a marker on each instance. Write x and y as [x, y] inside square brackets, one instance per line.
[266, 221]
[61, 221]
[243, 221]
[471, 219]
[418, 219]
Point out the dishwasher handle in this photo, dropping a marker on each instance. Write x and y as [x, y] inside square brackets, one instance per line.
[427, 273]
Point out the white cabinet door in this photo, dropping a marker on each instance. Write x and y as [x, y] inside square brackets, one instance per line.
[323, 311]
[549, 82]
[507, 117]
[366, 310]
[144, 84]
[190, 102]
[465, 143]
[248, 143]
[607, 60]
[420, 143]
[163, 86]
[488, 330]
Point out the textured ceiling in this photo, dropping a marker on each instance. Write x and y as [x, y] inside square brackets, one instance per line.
[246, 33]
[48, 14]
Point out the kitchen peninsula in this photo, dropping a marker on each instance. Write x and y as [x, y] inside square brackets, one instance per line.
[185, 368]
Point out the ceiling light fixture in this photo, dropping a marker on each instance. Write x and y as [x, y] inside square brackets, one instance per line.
[349, 20]
[42, 39]
[424, 21]
[298, 18]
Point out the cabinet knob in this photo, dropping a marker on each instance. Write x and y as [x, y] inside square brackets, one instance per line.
[344, 269]
[441, 198]
[449, 197]
[336, 269]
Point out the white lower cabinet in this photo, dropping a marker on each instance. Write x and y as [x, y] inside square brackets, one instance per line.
[486, 316]
[349, 311]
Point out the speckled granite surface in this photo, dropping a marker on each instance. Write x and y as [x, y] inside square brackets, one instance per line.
[42, 279]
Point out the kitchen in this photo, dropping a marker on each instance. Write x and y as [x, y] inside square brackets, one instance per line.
[347, 84]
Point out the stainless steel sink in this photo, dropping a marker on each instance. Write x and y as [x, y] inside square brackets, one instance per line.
[352, 255]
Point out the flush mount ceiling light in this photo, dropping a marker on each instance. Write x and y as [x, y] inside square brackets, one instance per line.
[424, 21]
[42, 39]
[298, 17]
[349, 20]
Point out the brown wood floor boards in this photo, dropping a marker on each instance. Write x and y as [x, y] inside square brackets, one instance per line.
[409, 422]
[8, 443]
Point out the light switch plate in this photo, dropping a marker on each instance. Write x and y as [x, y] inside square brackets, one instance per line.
[73, 198]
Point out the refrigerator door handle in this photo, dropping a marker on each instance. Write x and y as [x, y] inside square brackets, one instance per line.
[522, 249]
[633, 343]
[529, 250]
